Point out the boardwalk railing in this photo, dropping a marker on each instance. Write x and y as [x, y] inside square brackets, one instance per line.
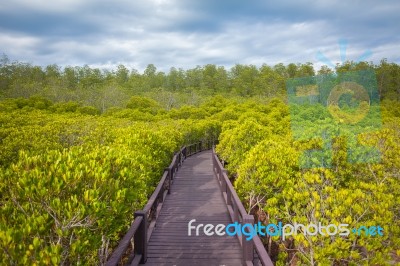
[253, 250]
[132, 249]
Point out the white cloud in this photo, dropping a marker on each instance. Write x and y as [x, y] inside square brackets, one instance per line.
[19, 44]
[174, 33]
[389, 51]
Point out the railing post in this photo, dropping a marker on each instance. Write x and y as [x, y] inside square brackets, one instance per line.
[140, 238]
[174, 166]
[168, 169]
[228, 197]
[247, 245]
[219, 173]
[213, 161]
[235, 213]
[224, 186]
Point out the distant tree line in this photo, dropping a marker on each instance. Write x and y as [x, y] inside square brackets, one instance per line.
[104, 88]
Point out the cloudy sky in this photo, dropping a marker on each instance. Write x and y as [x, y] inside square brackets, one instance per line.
[187, 33]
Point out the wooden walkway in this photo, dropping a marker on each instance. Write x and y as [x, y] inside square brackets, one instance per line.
[195, 194]
[194, 186]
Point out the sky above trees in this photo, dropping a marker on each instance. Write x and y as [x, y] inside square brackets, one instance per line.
[184, 33]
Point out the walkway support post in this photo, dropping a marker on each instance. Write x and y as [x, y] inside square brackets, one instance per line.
[140, 238]
[170, 176]
[247, 245]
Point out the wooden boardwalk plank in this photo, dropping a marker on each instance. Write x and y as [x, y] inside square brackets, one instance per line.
[195, 194]
[192, 262]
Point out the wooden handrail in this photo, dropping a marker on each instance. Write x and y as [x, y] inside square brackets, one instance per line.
[238, 214]
[119, 252]
[143, 225]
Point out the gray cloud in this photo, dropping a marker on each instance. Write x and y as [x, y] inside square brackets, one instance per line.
[189, 33]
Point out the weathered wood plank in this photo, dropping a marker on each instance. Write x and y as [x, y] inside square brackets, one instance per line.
[193, 262]
[194, 255]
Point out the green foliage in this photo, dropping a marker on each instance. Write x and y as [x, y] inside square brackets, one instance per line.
[88, 110]
[255, 123]
[188, 112]
[63, 107]
[264, 157]
[239, 141]
[70, 182]
[144, 104]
